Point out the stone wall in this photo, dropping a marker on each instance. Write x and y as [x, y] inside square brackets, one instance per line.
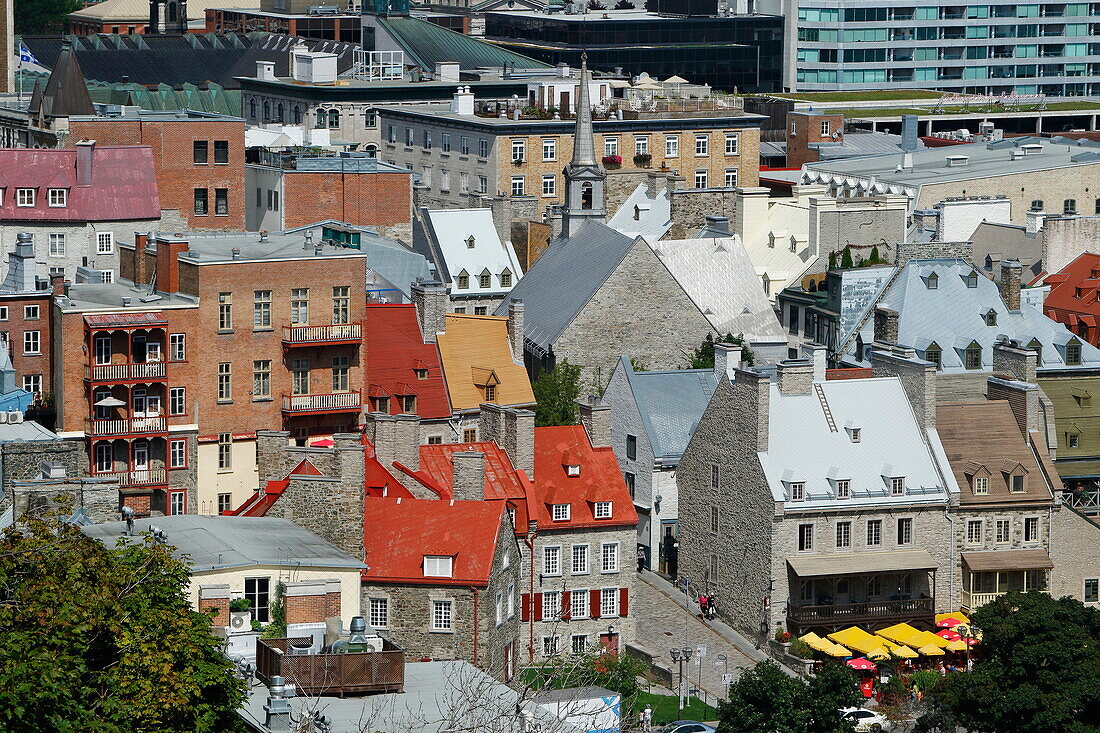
[24, 486]
[1065, 237]
[989, 516]
[907, 251]
[1075, 551]
[620, 319]
[690, 207]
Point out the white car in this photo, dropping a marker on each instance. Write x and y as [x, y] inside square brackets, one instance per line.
[865, 720]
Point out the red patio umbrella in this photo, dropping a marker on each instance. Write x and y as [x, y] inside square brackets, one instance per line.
[949, 634]
[861, 664]
[949, 623]
[323, 443]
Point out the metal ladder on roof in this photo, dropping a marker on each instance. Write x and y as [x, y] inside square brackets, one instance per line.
[843, 348]
[825, 407]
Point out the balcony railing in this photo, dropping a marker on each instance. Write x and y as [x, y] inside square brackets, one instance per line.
[109, 372]
[313, 335]
[331, 674]
[857, 612]
[340, 402]
[138, 476]
[127, 426]
[973, 600]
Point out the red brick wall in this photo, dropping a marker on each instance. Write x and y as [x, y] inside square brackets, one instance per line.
[13, 329]
[138, 502]
[221, 604]
[312, 609]
[178, 175]
[366, 199]
[807, 129]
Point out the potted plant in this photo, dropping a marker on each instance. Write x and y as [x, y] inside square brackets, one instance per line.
[239, 617]
[612, 161]
[643, 160]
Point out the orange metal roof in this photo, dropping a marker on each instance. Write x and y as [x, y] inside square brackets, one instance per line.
[473, 347]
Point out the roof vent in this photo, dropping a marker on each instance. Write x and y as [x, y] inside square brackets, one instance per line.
[317, 251]
[126, 301]
[957, 161]
[1032, 149]
[236, 253]
[263, 236]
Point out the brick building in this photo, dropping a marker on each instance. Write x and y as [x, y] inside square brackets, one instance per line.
[25, 322]
[198, 158]
[210, 326]
[283, 193]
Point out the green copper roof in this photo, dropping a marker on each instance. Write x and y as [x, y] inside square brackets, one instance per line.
[164, 98]
[426, 44]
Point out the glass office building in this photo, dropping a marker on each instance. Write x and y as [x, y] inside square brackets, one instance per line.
[992, 48]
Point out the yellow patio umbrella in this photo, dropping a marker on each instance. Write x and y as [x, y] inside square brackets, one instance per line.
[958, 614]
[898, 650]
[878, 655]
[956, 646]
[927, 637]
[931, 650]
[904, 634]
[856, 638]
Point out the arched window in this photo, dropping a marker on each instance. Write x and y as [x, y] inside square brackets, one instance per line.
[1069, 206]
[372, 151]
[586, 196]
[173, 12]
[267, 111]
[279, 112]
[252, 109]
[321, 116]
[297, 113]
[334, 118]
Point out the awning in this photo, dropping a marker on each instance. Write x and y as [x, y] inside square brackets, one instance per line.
[856, 638]
[1008, 560]
[865, 562]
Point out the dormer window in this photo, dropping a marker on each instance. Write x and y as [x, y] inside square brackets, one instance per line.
[24, 197]
[490, 393]
[421, 373]
[470, 242]
[463, 280]
[855, 434]
[981, 485]
[58, 197]
[485, 280]
[973, 356]
[603, 510]
[573, 470]
[560, 513]
[1037, 347]
[438, 566]
[932, 281]
[972, 280]
[991, 318]
[1073, 353]
[506, 278]
[798, 491]
[843, 489]
[935, 355]
[897, 486]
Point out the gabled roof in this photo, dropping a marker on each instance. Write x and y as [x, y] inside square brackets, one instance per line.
[448, 232]
[719, 278]
[804, 447]
[474, 346]
[123, 187]
[951, 316]
[393, 330]
[427, 44]
[643, 216]
[564, 278]
[670, 404]
[986, 434]
[66, 91]
[398, 533]
[501, 478]
[1071, 279]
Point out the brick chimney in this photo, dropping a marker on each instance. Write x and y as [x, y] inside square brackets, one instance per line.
[596, 419]
[1011, 274]
[886, 326]
[1022, 397]
[513, 430]
[85, 157]
[168, 266]
[918, 379]
[57, 284]
[469, 476]
[515, 329]
[432, 304]
[752, 389]
[795, 376]
[141, 268]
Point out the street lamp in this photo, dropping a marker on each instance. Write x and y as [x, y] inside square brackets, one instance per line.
[969, 632]
[680, 656]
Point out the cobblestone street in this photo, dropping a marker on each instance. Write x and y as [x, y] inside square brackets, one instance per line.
[664, 623]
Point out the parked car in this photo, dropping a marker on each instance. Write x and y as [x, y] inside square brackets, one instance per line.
[688, 726]
[865, 720]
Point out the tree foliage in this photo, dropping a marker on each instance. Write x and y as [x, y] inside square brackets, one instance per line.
[609, 670]
[846, 259]
[1037, 670]
[104, 640]
[765, 699]
[38, 17]
[556, 393]
[703, 356]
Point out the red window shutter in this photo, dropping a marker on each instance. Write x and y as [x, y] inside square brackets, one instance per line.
[623, 601]
[566, 597]
[525, 607]
[538, 607]
[594, 603]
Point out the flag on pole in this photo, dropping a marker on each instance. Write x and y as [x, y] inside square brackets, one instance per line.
[25, 55]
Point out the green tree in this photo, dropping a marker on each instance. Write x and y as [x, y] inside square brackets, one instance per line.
[105, 640]
[38, 17]
[765, 699]
[832, 261]
[556, 394]
[1037, 670]
[846, 259]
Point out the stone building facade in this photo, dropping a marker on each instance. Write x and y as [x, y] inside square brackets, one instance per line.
[42, 475]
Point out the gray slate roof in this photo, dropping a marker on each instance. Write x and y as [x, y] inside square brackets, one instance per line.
[563, 279]
[219, 543]
[670, 404]
[28, 430]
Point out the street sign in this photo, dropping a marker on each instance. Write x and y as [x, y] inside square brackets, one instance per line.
[701, 651]
[727, 679]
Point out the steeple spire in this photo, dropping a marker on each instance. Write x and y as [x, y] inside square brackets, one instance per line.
[584, 149]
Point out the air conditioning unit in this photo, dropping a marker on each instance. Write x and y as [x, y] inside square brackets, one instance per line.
[15, 417]
[3, 418]
[240, 622]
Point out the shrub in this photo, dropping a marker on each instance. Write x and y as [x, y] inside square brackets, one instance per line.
[925, 679]
[240, 604]
[782, 636]
[801, 649]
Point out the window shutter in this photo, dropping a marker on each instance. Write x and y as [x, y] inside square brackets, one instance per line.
[538, 607]
[525, 607]
[623, 592]
[566, 599]
[594, 603]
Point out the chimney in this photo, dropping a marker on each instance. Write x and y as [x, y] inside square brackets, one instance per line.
[462, 103]
[795, 376]
[513, 430]
[1034, 222]
[432, 305]
[750, 211]
[886, 327]
[718, 225]
[21, 268]
[1011, 274]
[596, 419]
[752, 390]
[726, 359]
[85, 156]
[57, 284]
[1014, 361]
[654, 183]
[396, 438]
[141, 274]
[918, 379]
[265, 71]
[1022, 397]
[909, 141]
[168, 265]
[817, 355]
[515, 329]
[469, 476]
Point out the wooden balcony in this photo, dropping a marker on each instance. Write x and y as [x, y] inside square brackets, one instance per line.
[346, 333]
[331, 674]
[138, 477]
[305, 404]
[125, 372]
[972, 601]
[127, 426]
[855, 613]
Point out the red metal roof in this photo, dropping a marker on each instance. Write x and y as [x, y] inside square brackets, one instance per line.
[398, 533]
[1062, 301]
[147, 318]
[502, 481]
[600, 479]
[395, 349]
[123, 184]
